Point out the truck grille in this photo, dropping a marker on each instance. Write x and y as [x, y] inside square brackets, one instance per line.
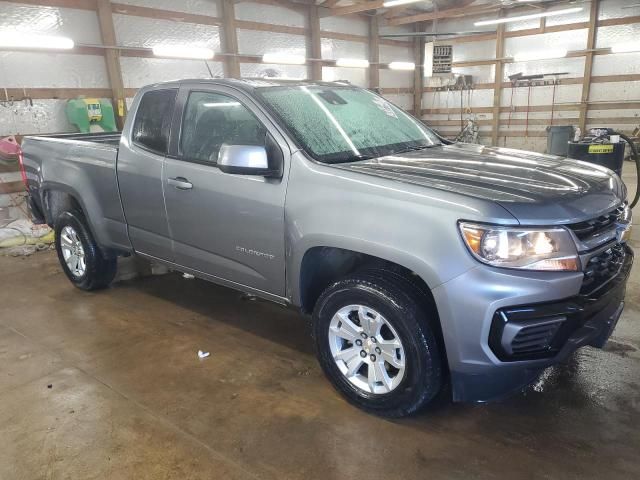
[595, 226]
[602, 267]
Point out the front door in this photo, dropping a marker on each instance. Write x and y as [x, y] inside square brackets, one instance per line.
[228, 226]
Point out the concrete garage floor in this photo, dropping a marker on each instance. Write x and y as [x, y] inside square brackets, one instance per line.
[108, 385]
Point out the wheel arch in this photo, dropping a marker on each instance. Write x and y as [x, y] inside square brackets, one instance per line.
[321, 265]
[57, 198]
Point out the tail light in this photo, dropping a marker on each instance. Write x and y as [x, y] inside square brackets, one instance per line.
[23, 173]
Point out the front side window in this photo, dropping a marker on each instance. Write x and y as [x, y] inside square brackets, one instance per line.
[213, 119]
[340, 124]
[153, 119]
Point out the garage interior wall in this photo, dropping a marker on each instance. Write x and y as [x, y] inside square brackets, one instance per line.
[614, 81]
[522, 114]
[50, 78]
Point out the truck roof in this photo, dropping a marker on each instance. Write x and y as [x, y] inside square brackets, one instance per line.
[250, 84]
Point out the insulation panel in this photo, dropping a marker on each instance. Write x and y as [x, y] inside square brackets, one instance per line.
[333, 49]
[138, 72]
[45, 116]
[263, 70]
[396, 78]
[252, 42]
[259, 12]
[571, 40]
[356, 76]
[345, 24]
[574, 66]
[395, 53]
[80, 25]
[483, 50]
[609, 36]
[147, 32]
[198, 7]
[49, 69]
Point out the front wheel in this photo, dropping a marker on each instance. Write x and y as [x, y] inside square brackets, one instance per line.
[376, 344]
[80, 257]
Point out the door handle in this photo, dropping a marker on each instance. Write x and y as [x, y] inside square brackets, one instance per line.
[180, 183]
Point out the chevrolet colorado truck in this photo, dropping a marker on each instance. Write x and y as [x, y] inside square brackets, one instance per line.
[422, 263]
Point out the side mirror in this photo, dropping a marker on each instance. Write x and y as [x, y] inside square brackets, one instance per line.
[246, 160]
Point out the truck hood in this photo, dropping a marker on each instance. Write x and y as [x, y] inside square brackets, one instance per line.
[534, 188]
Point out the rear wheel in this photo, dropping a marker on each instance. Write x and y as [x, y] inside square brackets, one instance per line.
[376, 345]
[80, 257]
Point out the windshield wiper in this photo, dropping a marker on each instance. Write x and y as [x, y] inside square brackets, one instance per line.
[354, 158]
[415, 148]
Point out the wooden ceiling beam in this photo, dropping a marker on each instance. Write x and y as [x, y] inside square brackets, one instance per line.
[448, 13]
[356, 8]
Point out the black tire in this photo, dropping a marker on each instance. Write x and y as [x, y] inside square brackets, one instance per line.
[100, 270]
[404, 307]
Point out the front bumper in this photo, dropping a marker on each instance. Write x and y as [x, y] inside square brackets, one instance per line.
[487, 357]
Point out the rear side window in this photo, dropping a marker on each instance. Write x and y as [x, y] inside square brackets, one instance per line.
[153, 118]
[214, 119]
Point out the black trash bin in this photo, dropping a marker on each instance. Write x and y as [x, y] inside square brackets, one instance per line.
[610, 155]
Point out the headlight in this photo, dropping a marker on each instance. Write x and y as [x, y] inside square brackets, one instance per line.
[521, 247]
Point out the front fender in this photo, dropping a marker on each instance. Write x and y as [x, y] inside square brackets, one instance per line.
[405, 224]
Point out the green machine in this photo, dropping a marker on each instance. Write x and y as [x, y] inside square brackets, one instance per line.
[91, 115]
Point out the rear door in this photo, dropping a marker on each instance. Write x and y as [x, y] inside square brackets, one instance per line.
[227, 226]
[140, 163]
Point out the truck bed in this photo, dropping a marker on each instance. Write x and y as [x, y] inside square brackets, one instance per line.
[84, 167]
[108, 138]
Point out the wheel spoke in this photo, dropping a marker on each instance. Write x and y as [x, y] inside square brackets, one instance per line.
[347, 354]
[378, 374]
[65, 240]
[347, 329]
[389, 349]
[371, 326]
[71, 261]
[382, 375]
[354, 365]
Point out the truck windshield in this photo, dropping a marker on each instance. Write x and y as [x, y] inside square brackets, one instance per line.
[343, 124]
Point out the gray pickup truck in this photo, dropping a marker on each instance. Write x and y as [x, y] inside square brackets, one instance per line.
[422, 263]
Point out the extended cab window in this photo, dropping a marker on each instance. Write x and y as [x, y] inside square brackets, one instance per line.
[153, 118]
[211, 119]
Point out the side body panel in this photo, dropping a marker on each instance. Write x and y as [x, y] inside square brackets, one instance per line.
[139, 174]
[406, 224]
[86, 171]
[228, 226]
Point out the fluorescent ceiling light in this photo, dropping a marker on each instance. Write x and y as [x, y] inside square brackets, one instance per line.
[540, 55]
[14, 39]
[352, 62]
[183, 51]
[402, 66]
[553, 13]
[395, 3]
[283, 58]
[625, 47]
